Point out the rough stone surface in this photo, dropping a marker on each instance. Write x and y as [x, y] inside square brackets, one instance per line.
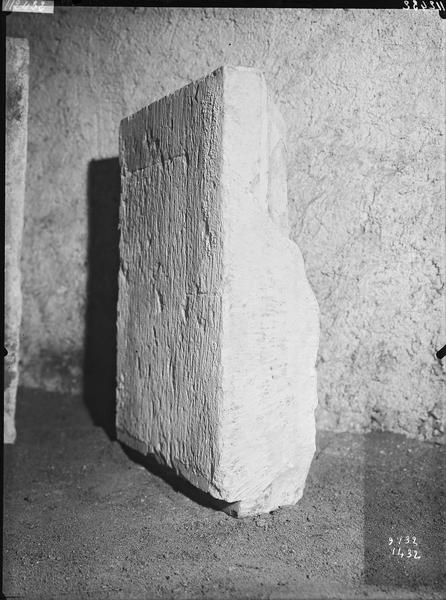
[217, 324]
[17, 61]
[362, 94]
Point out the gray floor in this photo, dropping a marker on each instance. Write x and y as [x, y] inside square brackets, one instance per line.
[83, 519]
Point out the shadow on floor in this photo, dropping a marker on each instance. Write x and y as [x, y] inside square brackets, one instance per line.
[177, 483]
[103, 194]
[404, 513]
[82, 521]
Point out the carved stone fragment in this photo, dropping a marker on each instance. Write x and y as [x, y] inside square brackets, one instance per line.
[17, 61]
[217, 324]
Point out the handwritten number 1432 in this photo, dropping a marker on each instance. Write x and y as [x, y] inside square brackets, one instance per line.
[407, 540]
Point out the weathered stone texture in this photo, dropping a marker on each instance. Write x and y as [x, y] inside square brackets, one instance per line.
[17, 61]
[270, 315]
[169, 309]
[362, 93]
[217, 325]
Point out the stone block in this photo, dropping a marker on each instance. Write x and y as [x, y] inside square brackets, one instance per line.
[217, 324]
[17, 61]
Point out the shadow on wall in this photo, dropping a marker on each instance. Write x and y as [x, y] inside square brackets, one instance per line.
[103, 194]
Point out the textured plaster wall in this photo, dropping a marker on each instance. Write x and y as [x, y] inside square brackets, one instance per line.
[363, 96]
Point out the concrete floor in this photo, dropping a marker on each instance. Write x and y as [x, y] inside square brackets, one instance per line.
[83, 519]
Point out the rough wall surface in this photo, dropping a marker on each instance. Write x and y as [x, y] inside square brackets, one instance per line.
[362, 95]
[17, 62]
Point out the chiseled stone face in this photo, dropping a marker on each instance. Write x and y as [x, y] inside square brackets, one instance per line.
[217, 324]
[17, 61]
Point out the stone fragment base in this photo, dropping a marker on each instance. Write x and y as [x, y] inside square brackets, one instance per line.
[285, 490]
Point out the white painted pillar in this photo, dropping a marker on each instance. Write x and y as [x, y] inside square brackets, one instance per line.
[217, 324]
[17, 61]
